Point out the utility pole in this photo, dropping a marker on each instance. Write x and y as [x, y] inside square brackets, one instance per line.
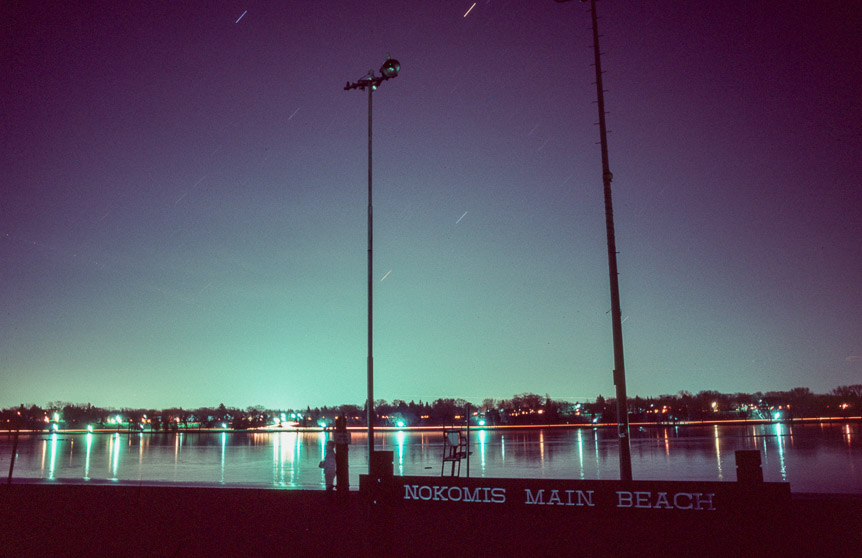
[616, 312]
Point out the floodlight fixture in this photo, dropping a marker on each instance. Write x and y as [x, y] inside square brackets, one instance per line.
[390, 68]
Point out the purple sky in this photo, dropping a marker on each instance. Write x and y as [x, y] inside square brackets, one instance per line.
[183, 209]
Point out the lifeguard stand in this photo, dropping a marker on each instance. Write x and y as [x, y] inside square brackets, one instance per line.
[454, 449]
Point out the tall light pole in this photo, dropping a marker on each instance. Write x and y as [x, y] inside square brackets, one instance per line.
[371, 82]
[616, 313]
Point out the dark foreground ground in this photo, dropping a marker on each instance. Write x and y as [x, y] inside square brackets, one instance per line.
[148, 520]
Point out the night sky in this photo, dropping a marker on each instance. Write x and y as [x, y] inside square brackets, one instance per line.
[184, 189]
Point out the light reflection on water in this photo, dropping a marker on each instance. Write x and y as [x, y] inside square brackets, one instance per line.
[581, 453]
[811, 457]
[89, 442]
[596, 450]
[483, 437]
[400, 438]
[223, 448]
[779, 436]
[53, 455]
[715, 435]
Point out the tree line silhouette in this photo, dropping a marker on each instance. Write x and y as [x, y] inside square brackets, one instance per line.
[523, 409]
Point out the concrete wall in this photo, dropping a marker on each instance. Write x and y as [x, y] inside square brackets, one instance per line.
[148, 520]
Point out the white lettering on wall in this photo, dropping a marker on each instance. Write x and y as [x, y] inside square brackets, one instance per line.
[676, 501]
[681, 500]
[624, 499]
[472, 497]
[661, 501]
[584, 497]
[537, 499]
[438, 493]
[640, 499]
[704, 503]
[457, 496]
[484, 495]
[498, 495]
[426, 490]
[410, 491]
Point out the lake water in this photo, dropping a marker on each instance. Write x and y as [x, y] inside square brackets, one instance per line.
[812, 457]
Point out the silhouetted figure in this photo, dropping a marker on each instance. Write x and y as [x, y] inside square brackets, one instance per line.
[328, 465]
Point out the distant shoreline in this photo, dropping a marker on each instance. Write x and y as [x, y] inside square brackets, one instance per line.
[440, 428]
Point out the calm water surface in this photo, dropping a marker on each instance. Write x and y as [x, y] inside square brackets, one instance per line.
[811, 457]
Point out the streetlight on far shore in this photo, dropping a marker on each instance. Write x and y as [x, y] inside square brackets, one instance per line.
[371, 81]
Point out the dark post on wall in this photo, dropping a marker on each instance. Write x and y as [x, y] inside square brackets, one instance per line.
[342, 442]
